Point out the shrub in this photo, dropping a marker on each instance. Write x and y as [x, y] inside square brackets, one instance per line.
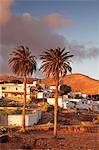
[45, 105]
[15, 104]
[10, 112]
[28, 104]
[2, 104]
[3, 112]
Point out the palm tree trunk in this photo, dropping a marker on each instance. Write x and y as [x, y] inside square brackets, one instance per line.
[24, 104]
[56, 111]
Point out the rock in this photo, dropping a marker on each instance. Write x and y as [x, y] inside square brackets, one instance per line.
[4, 138]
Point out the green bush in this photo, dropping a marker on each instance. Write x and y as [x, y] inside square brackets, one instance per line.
[2, 104]
[3, 112]
[15, 104]
[45, 105]
[18, 111]
[10, 112]
[28, 104]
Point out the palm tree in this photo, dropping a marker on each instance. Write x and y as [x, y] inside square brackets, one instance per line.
[24, 64]
[55, 62]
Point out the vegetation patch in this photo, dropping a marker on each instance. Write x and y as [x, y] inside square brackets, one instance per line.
[10, 112]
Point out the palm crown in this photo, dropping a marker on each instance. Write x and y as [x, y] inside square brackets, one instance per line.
[56, 61]
[21, 61]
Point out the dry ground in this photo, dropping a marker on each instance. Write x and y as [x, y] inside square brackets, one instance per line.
[44, 140]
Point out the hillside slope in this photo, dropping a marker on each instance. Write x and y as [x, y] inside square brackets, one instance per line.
[78, 83]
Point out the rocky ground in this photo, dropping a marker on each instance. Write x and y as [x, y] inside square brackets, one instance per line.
[76, 131]
[44, 140]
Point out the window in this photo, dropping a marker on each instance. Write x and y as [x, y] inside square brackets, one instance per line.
[3, 88]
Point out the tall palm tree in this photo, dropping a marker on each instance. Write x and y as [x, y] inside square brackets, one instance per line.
[56, 62]
[24, 64]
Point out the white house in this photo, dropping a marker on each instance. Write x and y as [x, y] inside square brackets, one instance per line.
[68, 104]
[44, 95]
[51, 101]
[11, 90]
[52, 87]
[93, 105]
[80, 103]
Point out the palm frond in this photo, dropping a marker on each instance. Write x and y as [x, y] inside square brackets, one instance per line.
[21, 61]
[56, 61]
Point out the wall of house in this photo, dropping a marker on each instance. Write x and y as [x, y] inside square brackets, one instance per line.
[15, 119]
[94, 105]
[34, 83]
[9, 90]
[83, 104]
[51, 101]
[30, 119]
[0, 91]
[39, 95]
[68, 105]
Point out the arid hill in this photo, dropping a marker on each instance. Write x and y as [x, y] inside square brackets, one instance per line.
[7, 78]
[78, 83]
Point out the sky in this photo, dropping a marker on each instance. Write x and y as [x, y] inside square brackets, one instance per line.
[43, 24]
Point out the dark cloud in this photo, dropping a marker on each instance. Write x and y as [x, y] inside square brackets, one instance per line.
[82, 52]
[29, 31]
[38, 34]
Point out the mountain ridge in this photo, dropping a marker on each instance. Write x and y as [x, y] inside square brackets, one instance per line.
[78, 82]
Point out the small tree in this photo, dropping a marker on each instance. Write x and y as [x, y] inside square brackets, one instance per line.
[65, 89]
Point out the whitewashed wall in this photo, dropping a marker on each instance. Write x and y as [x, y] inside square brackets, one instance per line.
[40, 95]
[30, 119]
[51, 101]
[68, 105]
[0, 91]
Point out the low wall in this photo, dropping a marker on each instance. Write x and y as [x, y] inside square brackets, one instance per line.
[14, 119]
[3, 120]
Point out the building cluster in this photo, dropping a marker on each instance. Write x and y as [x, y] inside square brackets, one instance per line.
[38, 91]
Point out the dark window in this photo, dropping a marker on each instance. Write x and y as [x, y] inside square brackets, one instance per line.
[3, 88]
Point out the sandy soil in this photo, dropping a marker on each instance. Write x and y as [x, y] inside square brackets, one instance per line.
[44, 140]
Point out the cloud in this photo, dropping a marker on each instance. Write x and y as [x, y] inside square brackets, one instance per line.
[82, 52]
[4, 56]
[5, 12]
[56, 20]
[38, 34]
[30, 31]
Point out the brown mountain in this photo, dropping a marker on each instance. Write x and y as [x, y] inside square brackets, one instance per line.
[78, 83]
[7, 78]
